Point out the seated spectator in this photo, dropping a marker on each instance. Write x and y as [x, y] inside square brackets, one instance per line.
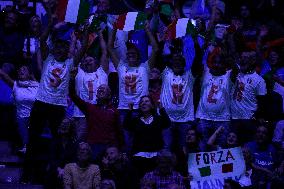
[117, 166]
[164, 174]
[147, 130]
[65, 152]
[82, 174]
[264, 156]
[231, 140]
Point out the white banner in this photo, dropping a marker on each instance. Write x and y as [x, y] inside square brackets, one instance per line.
[219, 164]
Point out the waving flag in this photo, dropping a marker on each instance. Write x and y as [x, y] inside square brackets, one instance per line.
[73, 11]
[131, 21]
[179, 28]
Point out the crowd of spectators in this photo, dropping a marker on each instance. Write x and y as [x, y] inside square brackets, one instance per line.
[94, 107]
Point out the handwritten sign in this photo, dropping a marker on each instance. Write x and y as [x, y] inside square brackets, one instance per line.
[223, 163]
[207, 184]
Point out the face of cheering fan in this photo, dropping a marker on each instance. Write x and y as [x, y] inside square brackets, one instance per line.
[23, 73]
[132, 56]
[145, 104]
[103, 92]
[191, 136]
[232, 139]
[89, 64]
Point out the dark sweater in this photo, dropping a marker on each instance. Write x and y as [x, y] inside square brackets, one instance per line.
[147, 138]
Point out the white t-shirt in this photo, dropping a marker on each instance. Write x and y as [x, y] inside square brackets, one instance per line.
[24, 93]
[34, 45]
[244, 93]
[177, 96]
[86, 87]
[214, 101]
[53, 87]
[280, 90]
[133, 83]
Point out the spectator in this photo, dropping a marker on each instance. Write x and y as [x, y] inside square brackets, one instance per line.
[133, 75]
[177, 92]
[264, 156]
[117, 166]
[147, 130]
[24, 92]
[214, 105]
[51, 98]
[102, 120]
[232, 139]
[65, 152]
[247, 98]
[82, 174]
[91, 74]
[164, 174]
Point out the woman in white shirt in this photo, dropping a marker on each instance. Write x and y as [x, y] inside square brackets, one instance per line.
[24, 91]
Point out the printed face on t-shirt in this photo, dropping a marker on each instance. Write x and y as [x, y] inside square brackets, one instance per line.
[240, 88]
[131, 79]
[177, 93]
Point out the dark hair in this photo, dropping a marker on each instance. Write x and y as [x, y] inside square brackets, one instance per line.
[178, 58]
[153, 111]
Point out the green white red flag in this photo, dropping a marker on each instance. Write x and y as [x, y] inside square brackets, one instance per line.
[131, 21]
[178, 28]
[73, 11]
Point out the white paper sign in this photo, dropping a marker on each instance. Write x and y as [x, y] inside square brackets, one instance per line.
[219, 164]
[207, 184]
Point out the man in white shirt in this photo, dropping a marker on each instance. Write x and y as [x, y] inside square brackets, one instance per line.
[177, 92]
[214, 105]
[248, 89]
[133, 75]
[91, 74]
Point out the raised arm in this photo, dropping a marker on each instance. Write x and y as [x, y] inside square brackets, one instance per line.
[115, 59]
[212, 139]
[7, 78]
[104, 60]
[81, 52]
[153, 43]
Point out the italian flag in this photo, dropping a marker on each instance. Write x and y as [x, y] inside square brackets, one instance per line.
[131, 21]
[73, 11]
[179, 28]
